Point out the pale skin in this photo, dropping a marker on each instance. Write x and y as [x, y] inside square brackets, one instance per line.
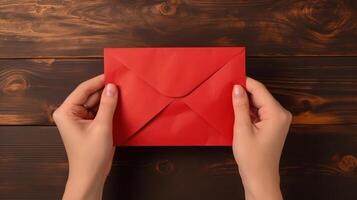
[85, 118]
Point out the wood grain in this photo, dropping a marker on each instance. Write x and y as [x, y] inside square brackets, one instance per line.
[36, 87]
[303, 50]
[31, 28]
[318, 161]
[316, 90]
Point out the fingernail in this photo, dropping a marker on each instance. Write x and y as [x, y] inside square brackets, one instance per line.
[238, 90]
[110, 89]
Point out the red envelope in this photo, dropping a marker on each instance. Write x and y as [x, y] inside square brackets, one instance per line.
[174, 96]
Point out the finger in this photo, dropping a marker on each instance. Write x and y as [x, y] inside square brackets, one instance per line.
[260, 96]
[241, 109]
[93, 100]
[107, 106]
[81, 94]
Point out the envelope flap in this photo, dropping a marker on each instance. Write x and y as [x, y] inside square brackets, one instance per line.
[174, 72]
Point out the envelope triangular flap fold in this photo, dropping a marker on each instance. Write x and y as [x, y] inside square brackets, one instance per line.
[174, 72]
[217, 111]
[138, 103]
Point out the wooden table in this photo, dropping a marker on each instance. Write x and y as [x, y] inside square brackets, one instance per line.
[304, 51]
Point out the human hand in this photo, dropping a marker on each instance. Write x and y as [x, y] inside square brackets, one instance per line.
[260, 129]
[86, 131]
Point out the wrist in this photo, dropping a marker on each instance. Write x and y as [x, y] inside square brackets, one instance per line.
[266, 193]
[263, 187]
[80, 186]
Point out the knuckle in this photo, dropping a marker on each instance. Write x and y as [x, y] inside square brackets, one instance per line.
[106, 102]
[285, 116]
[57, 115]
[242, 103]
[106, 107]
[260, 85]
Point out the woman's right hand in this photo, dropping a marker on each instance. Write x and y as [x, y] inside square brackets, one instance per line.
[260, 129]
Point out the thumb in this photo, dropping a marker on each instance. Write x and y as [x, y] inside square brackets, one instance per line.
[108, 103]
[241, 109]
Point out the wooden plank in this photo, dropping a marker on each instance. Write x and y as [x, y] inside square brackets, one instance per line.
[36, 87]
[31, 28]
[316, 90]
[318, 162]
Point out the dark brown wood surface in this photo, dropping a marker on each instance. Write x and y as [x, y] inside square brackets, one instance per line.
[31, 28]
[318, 161]
[304, 51]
